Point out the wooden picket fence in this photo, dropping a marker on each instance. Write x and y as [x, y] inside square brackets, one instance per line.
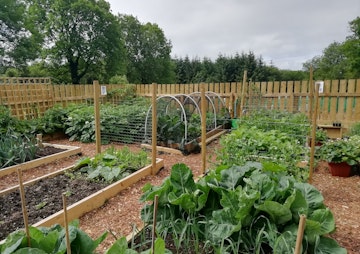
[339, 101]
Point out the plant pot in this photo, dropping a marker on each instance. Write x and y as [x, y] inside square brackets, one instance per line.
[341, 169]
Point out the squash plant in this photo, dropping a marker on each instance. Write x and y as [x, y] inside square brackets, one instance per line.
[254, 208]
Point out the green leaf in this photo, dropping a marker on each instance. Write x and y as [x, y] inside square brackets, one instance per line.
[279, 213]
[181, 178]
[120, 246]
[29, 250]
[312, 196]
[13, 241]
[326, 245]
[319, 223]
[223, 224]
[185, 200]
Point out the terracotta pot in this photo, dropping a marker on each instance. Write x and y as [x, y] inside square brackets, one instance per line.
[341, 169]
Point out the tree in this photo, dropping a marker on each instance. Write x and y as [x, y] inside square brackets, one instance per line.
[81, 35]
[18, 41]
[148, 52]
[332, 64]
[352, 48]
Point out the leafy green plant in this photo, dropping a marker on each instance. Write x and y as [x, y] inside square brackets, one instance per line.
[16, 149]
[170, 129]
[354, 129]
[320, 135]
[296, 125]
[50, 240]
[113, 164]
[121, 246]
[254, 208]
[341, 150]
[254, 144]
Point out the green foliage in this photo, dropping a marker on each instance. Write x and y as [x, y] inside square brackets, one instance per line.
[148, 52]
[170, 129]
[296, 125]
[112, 164]
[253, 208]
[253, 144]
[53, 120]
[80, 124]
[121, 246]
[16, 148]
[122, 123]
[50, 240]
[341, 150]
[354, 129]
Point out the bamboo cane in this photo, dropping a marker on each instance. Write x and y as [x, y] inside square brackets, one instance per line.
[67, 237]
[23, 206]
[156, 201]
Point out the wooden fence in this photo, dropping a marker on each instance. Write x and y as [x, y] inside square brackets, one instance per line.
[339, 101]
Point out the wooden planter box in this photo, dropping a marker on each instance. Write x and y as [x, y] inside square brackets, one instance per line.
[70, 150]
[191, 146]
[93, 201]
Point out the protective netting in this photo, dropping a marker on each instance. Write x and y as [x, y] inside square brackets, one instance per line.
[179, 118]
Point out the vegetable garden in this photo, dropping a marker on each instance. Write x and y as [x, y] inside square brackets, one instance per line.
[251, 200]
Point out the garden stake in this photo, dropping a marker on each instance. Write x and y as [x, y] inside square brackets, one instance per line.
[300, 234]
[68, 247]
[23, 206]
[97, 116]
[154, 128]
[313, 131]
[203, 128]
[243, 91]
[156, 200]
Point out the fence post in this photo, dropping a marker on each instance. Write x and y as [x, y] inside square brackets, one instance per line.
[97, 115]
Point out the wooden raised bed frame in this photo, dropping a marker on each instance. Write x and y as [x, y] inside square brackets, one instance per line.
[70, 150]
[93, 201]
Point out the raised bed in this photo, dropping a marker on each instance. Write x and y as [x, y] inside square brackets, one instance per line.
[93, 201]
[69, 150]
[190, 146]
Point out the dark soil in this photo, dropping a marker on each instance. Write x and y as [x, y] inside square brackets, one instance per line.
[42, 200]
[48, 150]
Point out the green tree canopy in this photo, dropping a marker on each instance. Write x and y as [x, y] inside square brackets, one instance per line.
[81, 39]
[148, 52]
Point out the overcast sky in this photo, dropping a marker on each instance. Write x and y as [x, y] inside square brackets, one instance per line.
[284, 32]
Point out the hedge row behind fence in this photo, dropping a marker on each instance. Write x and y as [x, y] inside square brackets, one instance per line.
[339, 101]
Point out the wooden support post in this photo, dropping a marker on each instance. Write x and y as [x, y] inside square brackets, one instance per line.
[23, 205]
[311, 96]
[203, 128]
[154, 129]
[66, 223]
[97, 115]
[300, 234]
[39, 140]
[156, 201]
[313, 133]
[243, 91]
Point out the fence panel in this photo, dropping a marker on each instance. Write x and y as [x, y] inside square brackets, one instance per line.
[28, 98]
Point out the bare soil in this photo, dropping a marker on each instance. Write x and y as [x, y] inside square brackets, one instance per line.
[121, 214]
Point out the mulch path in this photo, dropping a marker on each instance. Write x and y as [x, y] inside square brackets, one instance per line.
[120, 215]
